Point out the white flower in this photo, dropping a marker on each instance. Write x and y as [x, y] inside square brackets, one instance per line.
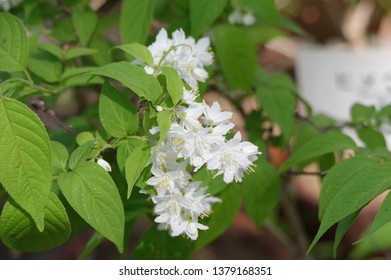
[214, 115]
[104, 164]
[248, 19]
[182, 53]
[241, 16]
[159, 108]
[190, 228]
[233, 158]
[189, 96]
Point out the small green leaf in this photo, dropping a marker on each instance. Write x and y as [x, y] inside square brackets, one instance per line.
[174, 84]
[138, 51]
[26, 165]
[45, 66]
[84, 137]
[342, 228]
[117, 113]
[155, 244]
[82, 153]
[354, 194]
[84, 23]
[222, 215]
[265, 9]
[90, 190]
[59, 157]
[141, 14]
[51, 48]
[371, 137]
[319, 145]
[236, 54]
[135, 164]
[338, 176]
[14, 49]
[382, 218]
[125, 148]
[164, 119]
[361, 113]
[77, 52]
[18, 231]
[261, 192]
[204, 13]
[134, 77]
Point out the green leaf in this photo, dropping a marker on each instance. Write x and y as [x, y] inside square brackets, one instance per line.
[338, 176]
[174, 84]
[355, 194]
[138, 51]
[90, 190]
[280, 105]
[159, 245]
[117, 113]
[26, 165]
[261, 192]
[84, 23]
[361, 113]
[45, 66]
[59, 157]
[382, 218]
[125, 148]
[371, 137]
[204, 13]
[379, 241]
[84, 137]
[236, 54]
[319, 145]
[51, 48]
[164, 119]
[342, 228]
[14, 49]
[134, 77]
[135, 164]
[222, 216]
[141, 14]
[82, 153]
[77, 52]
[18, 231]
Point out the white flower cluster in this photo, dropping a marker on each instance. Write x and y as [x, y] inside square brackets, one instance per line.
[6, 5]
[241, 16]
[186, 55]
[196, 138]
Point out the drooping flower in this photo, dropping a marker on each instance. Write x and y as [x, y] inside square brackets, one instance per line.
[104, 164]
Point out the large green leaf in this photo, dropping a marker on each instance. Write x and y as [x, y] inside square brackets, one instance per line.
[134, 77]
[135, 164]
[338, 176]
[159, 245]
[18, 231]
[342, 228]
[174, 84]
[354, 194]
[45, 66]
[371, 137]
[261, 192]
[319, 145]
[90, 190]
[236, 54]
[14, 49]
[138, 51]
[140, 14]
[84, 23]
[204, 13]
[26, 165]
[222, 215]
[117, 113]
